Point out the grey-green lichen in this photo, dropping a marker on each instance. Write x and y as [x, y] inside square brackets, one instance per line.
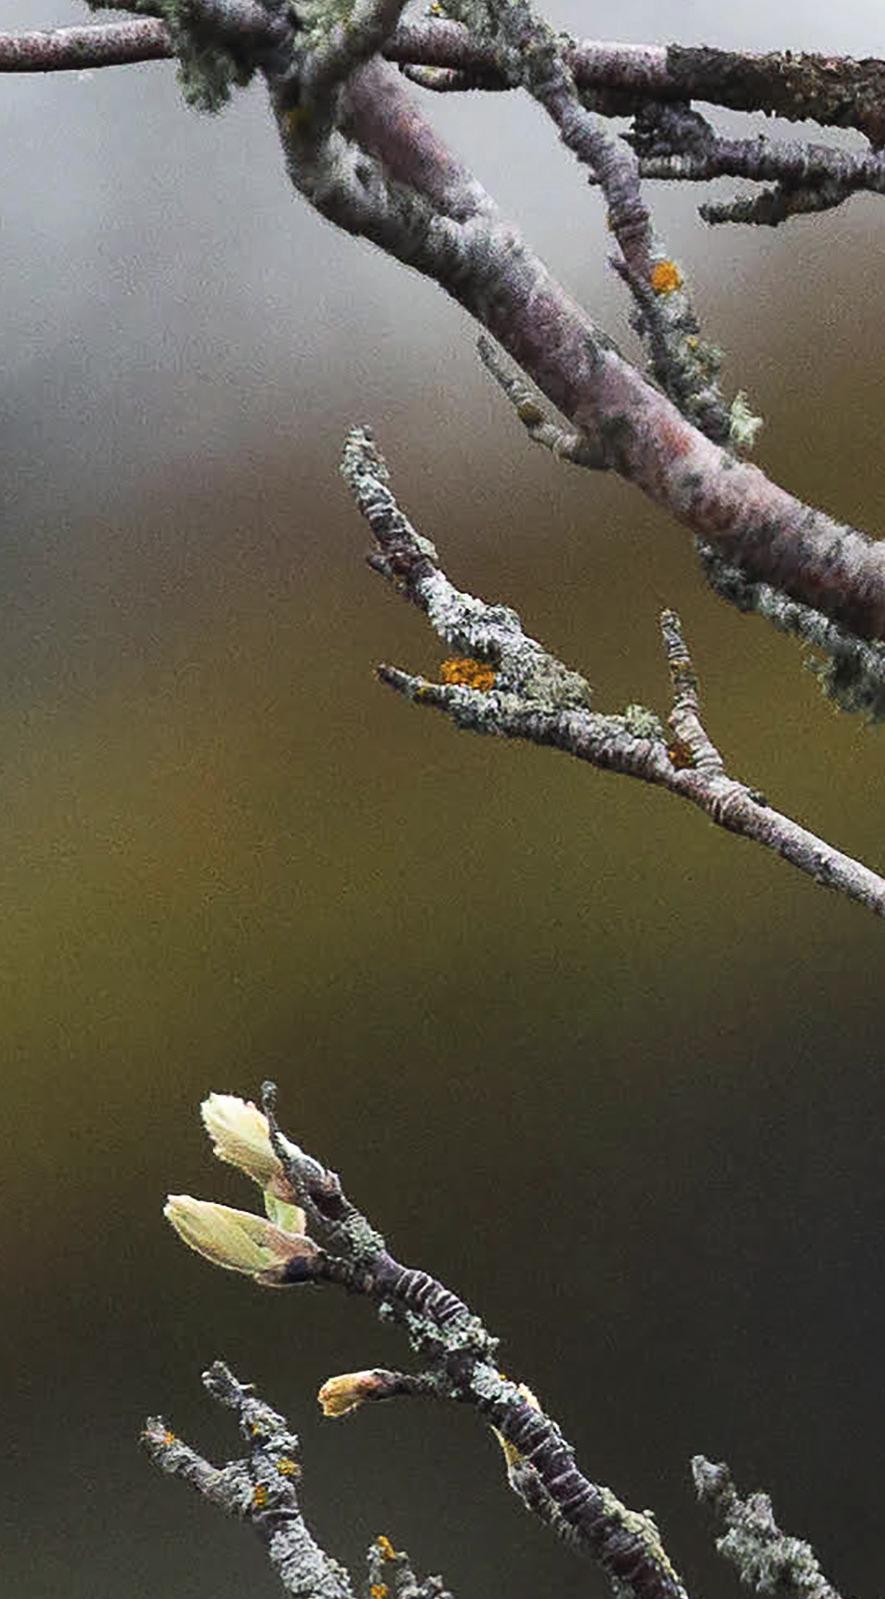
[495, 633]
[209, 67]
[743, 424]
[643, 723]
[850, 670]
[642, 1524]
[767, 1559]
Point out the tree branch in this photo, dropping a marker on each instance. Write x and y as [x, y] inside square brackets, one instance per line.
[103, 44]
[675, 143]
[457, 1357]
[259, 1489]
[366, 159]
[506, 684]
[834, 91]
[767, 1559]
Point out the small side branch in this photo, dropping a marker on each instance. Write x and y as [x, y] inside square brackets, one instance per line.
[504, 683]
[677, 144]
[530, 53]
[767, 1559]
[391, 1570]
[259, 1489]
[562, 443]
[106, 44]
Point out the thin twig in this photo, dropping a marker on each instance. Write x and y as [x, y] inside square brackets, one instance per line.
[259, 1489]
[767, 1559]
[676, 144]
[506, 684]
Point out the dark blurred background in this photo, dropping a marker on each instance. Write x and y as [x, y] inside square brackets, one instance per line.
[612, 1074]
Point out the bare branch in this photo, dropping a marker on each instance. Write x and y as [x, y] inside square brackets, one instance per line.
[677, 144]
[532, 54]
[378, 171]
[346, 47]
[833, 91]
[106, 44]
[767, 1559]
[506, 684]
[685, 717]
[259, 1489]
[564, 446]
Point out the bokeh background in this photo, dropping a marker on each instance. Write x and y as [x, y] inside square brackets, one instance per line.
[614, 1075]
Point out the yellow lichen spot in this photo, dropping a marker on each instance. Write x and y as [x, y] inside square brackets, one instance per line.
[665, 277]
[169, 1438]
[378, 1590]
[385, 1547]
[288, 1468]
[259, 1496]
[512, 1455]
[467, 672]
[296, 120]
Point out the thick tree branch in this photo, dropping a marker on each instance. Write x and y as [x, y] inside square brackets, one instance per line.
[103, 44]
[832, 90]
[505, 683]
[362, 154]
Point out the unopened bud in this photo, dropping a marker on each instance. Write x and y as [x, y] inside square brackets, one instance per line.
[342, 1394]
[240, 1136]
[240, 1241]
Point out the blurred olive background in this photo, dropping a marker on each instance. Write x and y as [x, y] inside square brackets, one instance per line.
[614, 1075]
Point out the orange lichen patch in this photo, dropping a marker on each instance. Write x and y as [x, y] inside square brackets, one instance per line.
[470, 673]
[288, 1468]
[378, 1590]
[680, 755]
[169, 1438]
[385, 1547]
[259, 1496]
[665, 277]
